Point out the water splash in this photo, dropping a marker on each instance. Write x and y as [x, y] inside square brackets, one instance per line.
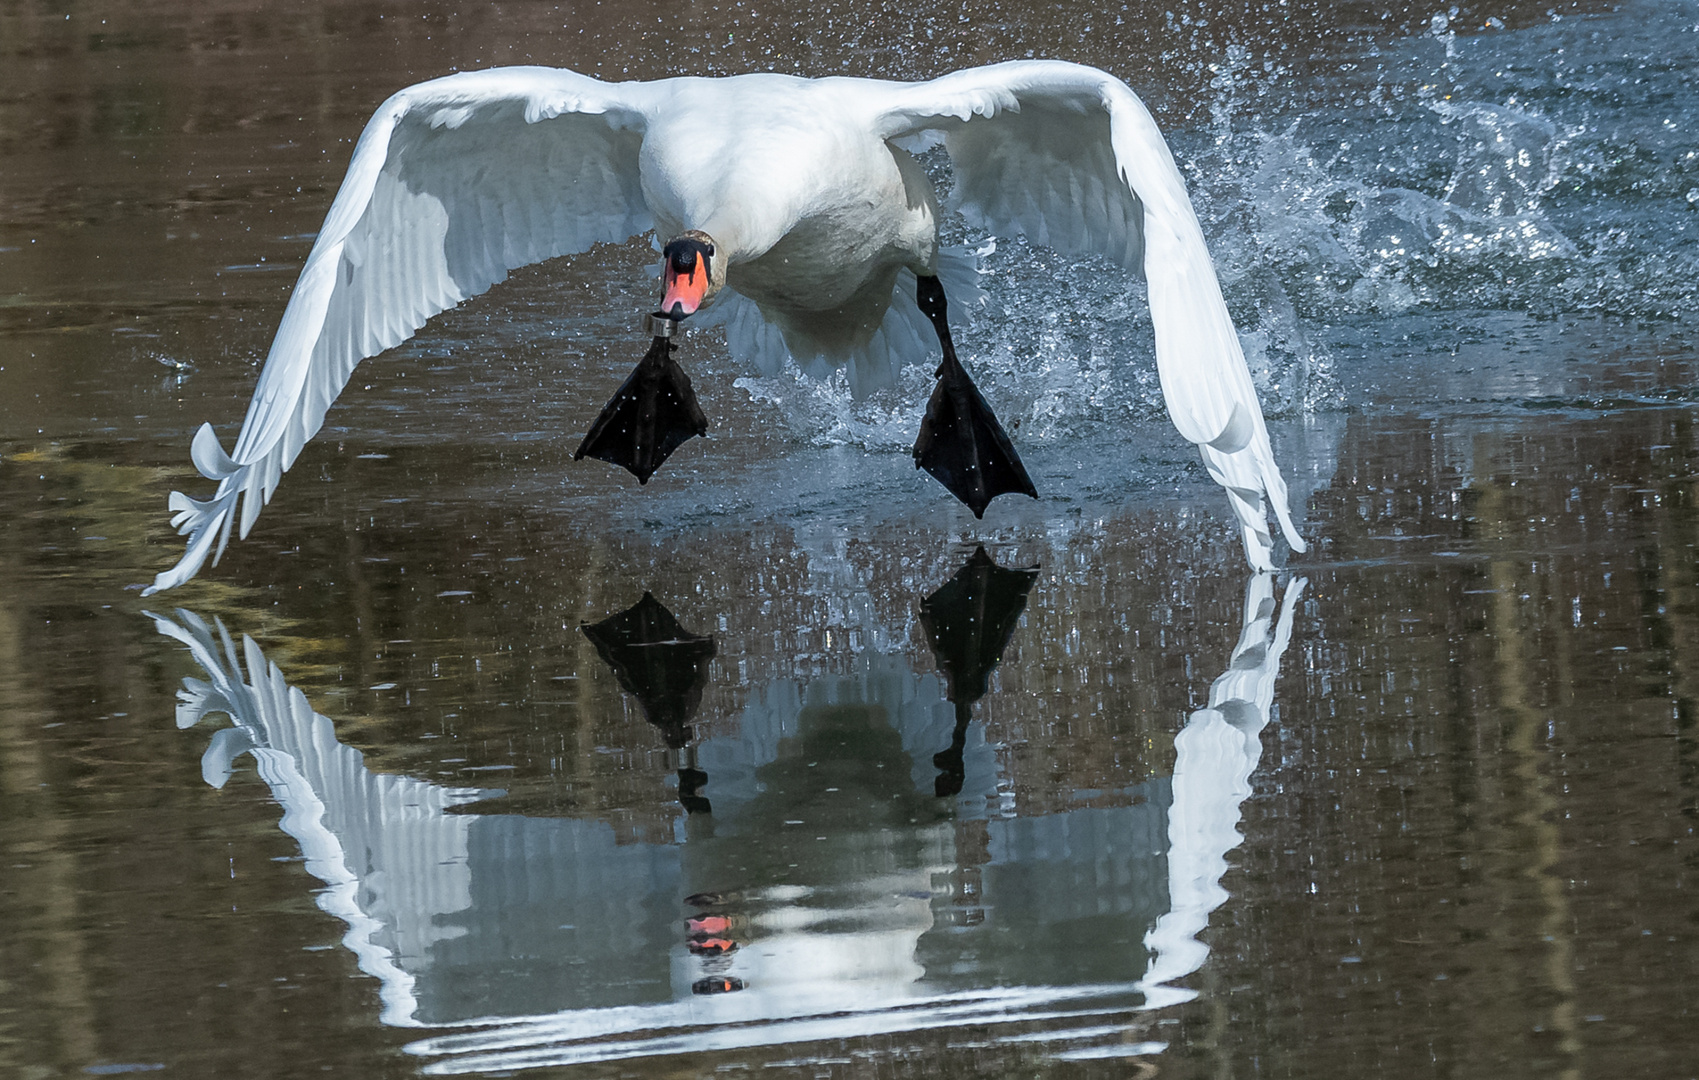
[1469, 168]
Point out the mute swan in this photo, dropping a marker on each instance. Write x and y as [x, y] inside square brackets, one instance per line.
[803, 200]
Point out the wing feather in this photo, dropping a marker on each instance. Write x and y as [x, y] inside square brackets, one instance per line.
[1069, 157]
[453, 183]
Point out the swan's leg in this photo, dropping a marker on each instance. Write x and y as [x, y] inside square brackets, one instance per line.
[691, 781]
[961, 443]
[651, 413]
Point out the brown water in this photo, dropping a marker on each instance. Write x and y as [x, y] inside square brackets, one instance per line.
[1422, 805]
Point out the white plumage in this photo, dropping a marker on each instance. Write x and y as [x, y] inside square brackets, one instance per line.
[810, 195]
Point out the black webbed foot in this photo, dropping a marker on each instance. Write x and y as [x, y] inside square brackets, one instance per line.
[652, 413]
[961, 443]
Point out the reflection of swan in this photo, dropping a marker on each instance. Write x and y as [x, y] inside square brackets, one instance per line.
[1215, 754]
[794, 198]
[831, 868]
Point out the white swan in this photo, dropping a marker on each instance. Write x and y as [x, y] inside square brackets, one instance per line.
[804, 198]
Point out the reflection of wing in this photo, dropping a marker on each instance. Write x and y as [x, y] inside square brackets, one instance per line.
[435, 901]
[1070, 157]
[453, 183]
[1215, 754]
[348, 820]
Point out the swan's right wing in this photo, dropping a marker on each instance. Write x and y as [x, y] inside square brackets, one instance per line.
[453, 183]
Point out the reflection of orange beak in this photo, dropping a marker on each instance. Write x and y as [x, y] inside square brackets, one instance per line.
[708, 924]
[710, 946]
[685, 291]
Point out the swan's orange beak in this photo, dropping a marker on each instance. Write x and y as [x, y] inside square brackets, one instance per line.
[686, 280]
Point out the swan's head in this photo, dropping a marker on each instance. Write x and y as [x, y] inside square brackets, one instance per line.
[693, 273]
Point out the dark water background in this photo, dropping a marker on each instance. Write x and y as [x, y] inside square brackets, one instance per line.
[1421, 806]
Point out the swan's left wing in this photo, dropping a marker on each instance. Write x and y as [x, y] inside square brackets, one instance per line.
[453, 183]
[1068, 156]
[1215, 755]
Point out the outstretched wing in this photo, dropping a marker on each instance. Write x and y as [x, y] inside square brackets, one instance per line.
[454, 182]
[1069, 157]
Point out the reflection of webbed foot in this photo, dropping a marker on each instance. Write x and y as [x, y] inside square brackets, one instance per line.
[657, 661]
[962, 444]
[652, 413]
[969, 621]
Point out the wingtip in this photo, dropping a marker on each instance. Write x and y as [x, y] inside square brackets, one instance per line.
[203, 523]
[1283, 514]
[187, 567]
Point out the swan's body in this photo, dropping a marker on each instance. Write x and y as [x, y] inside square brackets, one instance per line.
[807, 177]
[819, 219]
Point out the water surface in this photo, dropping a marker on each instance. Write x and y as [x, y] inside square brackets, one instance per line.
[472, 759]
